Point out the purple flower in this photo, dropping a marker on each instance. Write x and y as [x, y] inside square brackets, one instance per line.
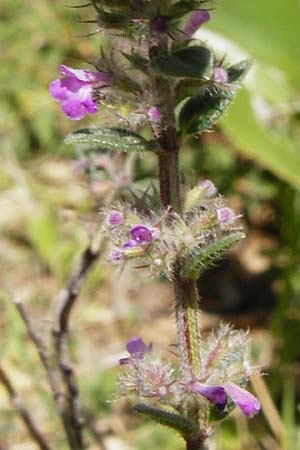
[136, 347]
[115, 218]
[154, 114]
[208, 187]
[243, 399]
[160, 25]
[116, 255]
[75, 90]
[219, 396]
[220, 75]
[195, 20]
[142, 234]
[131, 244]
[215, 394]
[226, 216]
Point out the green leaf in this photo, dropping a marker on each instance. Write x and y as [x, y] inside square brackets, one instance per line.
[238, 71]
[179, 423]
[274, 151]
[203, 257]
[116, 139]
[201, 111]
[190, 62]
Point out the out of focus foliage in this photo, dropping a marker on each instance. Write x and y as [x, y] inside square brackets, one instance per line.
[253, 156]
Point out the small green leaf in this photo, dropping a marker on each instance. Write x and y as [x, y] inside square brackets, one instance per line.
[201, 111]
[182, 424]
[238, 71]
[204, 257]
[116, 139]
[191, 62]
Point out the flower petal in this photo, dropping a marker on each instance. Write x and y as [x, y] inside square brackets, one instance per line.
[195, 20]
[136, 345]
[141, 234]
[57, 90]
[215, 394]
[243, 399]
[87, 76]
[73, 109]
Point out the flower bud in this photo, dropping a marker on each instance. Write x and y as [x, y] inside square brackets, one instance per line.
[154, 114]
[116, 218]
[226, 216]
[220, 75]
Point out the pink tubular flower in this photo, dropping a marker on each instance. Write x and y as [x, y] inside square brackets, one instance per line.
[75, 90]
[195, 20]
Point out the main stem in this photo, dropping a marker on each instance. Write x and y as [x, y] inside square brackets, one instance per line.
[186, 296]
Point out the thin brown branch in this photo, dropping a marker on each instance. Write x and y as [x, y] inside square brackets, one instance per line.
[64, 304]
[42, 352]
[23, 412]
[51, 372]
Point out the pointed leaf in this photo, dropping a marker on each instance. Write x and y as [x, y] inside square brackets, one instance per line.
[182, 424]
[204, 109]
[116, 139]
[238, 71]
[203, 257]
[190, 62]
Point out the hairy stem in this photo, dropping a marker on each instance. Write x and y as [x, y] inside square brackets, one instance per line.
[196, 444]
[186, 296]
[187, 321]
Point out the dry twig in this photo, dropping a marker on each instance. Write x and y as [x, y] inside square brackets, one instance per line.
[23, 412]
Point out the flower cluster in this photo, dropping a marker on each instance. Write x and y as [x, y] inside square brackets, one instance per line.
[225, 372]
[157, 242]
[76, 90]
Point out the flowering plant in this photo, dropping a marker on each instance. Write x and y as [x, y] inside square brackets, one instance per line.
[165, 83]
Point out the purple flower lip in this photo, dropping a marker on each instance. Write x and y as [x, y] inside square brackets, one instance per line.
[137, 348]
[75, 90]
[243, 399]
[141, 234]
[131, 244]
[215, 394]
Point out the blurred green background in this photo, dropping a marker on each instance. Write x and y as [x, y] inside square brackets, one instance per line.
[48, 211]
